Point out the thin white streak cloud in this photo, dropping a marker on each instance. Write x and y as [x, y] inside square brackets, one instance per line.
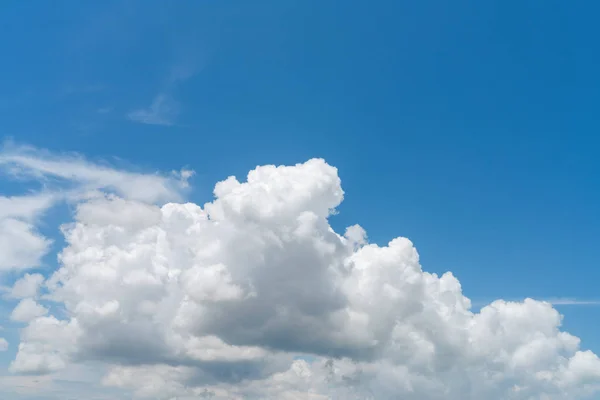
[162, 111]
[104, 110]
[572, 302]
[555, 301]
[83, 175]
[26, 207]
[70, 90]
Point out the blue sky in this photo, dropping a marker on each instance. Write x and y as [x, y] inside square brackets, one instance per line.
[470, 128]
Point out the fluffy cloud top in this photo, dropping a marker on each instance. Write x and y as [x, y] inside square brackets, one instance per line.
[27, 310]
[255, 296]
[28, 286]
[21, 245]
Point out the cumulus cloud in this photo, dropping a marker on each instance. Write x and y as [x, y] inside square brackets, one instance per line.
[255, 296]
[27, 286]
[21, 245]
[27, 310]
[3, 344]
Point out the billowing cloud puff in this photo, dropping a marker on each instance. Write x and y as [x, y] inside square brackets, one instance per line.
[28, 286]
[255, 296]
[21, 245]
[27, 310]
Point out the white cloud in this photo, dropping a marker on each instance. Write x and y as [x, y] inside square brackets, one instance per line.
[45, 341]
[75, 381]
[28, 286]
[572, 302]
[555, 301]
[78, 174]
[104, 110]
[25, 208]
[162, 111]
[27, 310]
[65, 178]
[3, 344]
[183, 301]
[21, 245]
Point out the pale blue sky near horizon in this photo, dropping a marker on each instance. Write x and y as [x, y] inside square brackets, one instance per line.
[470, 128]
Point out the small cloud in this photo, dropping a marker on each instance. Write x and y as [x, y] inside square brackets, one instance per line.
[27, 310]
[555, 301]
[28, 286]
[162, 111]
[572, 302]
[181, 72]
[21, 245]
[183, 176]
[104, 110]
[71, 90]
[72, 171]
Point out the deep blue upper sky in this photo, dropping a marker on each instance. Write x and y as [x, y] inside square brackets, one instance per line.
[469, 127]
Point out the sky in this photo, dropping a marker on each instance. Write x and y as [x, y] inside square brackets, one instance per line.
[468, 128]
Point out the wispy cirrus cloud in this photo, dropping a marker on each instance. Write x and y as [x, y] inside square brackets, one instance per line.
[104, 110]
[162, 111]
[81, 89]
[555, 301]
[562, 301]
[73, 173]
